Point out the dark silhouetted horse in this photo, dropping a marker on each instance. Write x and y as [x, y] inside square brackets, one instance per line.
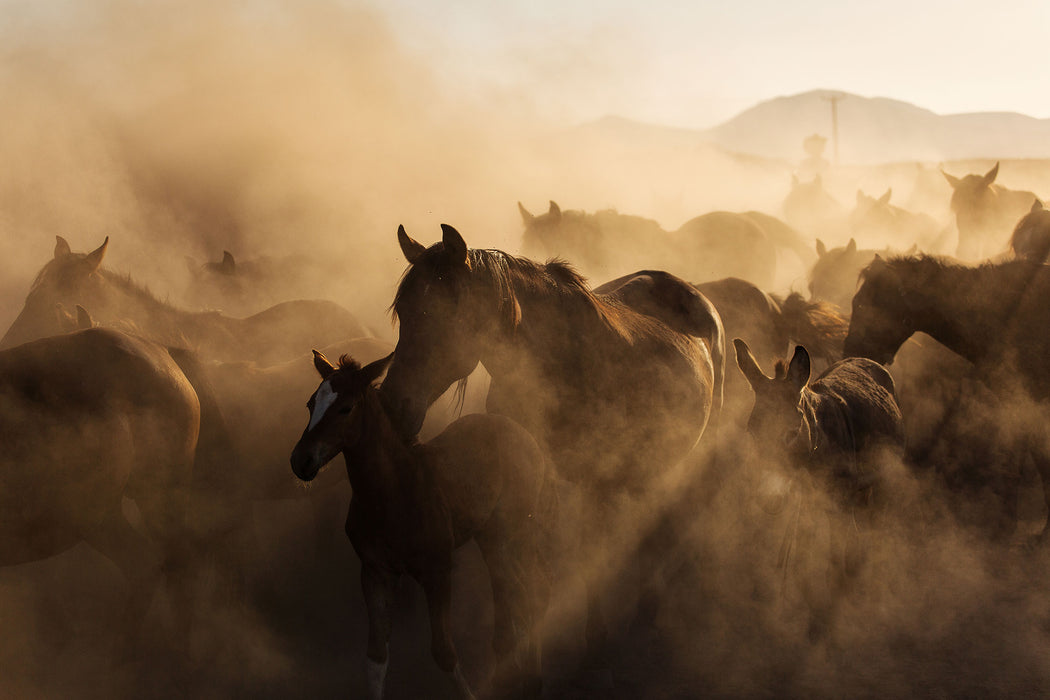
[610, 244]
[1031, 237]
[616, 387]
[994, 315]
[87, 419]
[840, 428]
[985, 213]
[276, 334]
[484, 478]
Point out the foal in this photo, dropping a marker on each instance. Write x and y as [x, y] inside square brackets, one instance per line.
[483, 478]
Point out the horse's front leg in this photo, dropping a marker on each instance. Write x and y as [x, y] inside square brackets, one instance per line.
[438, 588]
[376, 587]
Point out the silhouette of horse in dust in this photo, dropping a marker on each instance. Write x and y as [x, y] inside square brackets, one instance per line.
[811, 208]
[994, 315]
[877, 220]
[984, 213]
[1031, 237]
[278, 333]
[616, 386]
[836, 273]
[484, 478]
[838, 428]
[86, 419]
[713, 245]
[770, 324]
[246, 286]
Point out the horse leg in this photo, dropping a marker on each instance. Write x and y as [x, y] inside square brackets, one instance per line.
[438, 588]
[376, 588]
[1042, 464]
[130, 550]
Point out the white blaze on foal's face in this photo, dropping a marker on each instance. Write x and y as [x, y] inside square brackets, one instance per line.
[324, 397]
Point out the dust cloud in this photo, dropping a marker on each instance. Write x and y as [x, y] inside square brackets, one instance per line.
[303, 134]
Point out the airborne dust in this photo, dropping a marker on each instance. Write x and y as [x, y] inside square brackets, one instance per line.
[298, 136]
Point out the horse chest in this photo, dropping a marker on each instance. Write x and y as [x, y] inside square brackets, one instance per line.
[400, 539]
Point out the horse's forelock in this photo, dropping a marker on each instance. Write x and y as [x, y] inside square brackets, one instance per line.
[347, 362]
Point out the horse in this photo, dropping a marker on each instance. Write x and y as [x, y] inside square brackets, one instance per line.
[877, 220]
[246, 286]
[992, 315]
[984, 212]
[769, 324]
[275, 334]
[484, 479]
[87, 419]
[572, 365]
[611, 244]
[1031, 236]
[838, 427]
[834, 276]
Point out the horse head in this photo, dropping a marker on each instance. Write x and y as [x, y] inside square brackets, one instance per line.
[882, 316]
[448, 310]
[335, 412]
[776, 418]
[61, 281]
[973, 199]
[572, 235]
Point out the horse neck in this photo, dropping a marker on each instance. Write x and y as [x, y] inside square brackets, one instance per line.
[121, 299]
[380, 465]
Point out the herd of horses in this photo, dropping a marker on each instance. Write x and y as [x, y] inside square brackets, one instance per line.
[605, 391]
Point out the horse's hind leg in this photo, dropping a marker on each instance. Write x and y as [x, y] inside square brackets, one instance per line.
[130, 550]
[438, 588]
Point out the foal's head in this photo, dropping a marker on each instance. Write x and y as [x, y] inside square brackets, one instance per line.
[776, 417]
[336, 412]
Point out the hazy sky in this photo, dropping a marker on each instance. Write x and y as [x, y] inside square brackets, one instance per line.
[696, 64]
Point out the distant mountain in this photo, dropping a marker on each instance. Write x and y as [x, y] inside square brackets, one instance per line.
[871, 130]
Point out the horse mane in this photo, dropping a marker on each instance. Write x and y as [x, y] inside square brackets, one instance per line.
[815, 324]
[510, 276]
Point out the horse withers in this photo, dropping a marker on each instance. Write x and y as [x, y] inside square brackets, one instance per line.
[484, 478]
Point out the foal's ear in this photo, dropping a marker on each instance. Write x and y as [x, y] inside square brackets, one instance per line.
[61, 247]
[322, 365]
[526, 215]
[1037, 205]
[798, 370]
[373, 370]
[822, 249]
[94, 258]
[885, 199]
[84, 319]
[410, 248]
[989, 177]
[455, 246]
[952, 180]
[747, 364]
[554, 211]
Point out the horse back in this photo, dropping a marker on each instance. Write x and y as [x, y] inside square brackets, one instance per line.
[852, 406]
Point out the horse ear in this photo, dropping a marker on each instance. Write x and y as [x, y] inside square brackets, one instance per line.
[455, 246]
[885, 199]
[851, 247]
[61, 247]
[910, 251]
[952, 180]
[822, 250]
[555, 210]
[409, 248]
[322, 365]
[228, 264]
[747, 364]
[374, 370]
[84, 319]
[94, 258]
[1037, 205]
[989, 177]
[526, 215]
[798, 370]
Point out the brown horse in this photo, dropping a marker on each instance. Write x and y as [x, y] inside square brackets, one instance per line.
[1031, 236]
[484, 478]
[615, 393]
[994, 315]
[610, 244]
[275, 334]
[984, 213]
[836, 427]
[87, 419]
[875, 219]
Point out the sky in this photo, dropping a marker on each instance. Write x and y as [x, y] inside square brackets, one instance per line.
[697, 64]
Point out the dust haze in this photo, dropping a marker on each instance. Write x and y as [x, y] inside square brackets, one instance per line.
[298, 136]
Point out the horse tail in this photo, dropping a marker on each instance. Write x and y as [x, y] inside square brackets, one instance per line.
[813, 324]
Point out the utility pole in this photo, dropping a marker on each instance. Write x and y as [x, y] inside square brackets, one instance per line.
[834, 99]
